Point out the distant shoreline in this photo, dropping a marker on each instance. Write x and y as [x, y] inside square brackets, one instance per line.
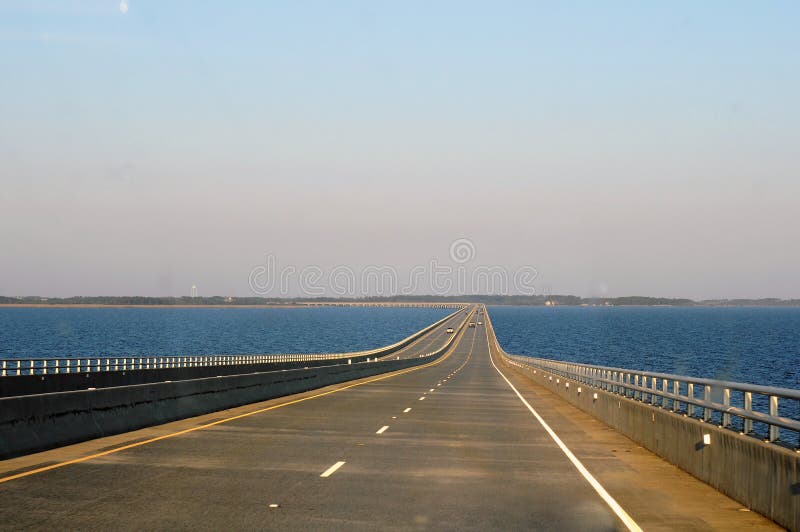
[115, 305]
[553, 300]
[356, 304]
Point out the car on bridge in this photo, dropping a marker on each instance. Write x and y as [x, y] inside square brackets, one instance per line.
[472, 324]
[450, 330]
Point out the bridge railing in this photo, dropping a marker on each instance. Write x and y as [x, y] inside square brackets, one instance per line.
[734, 405]
[51, 366]
[761, 411]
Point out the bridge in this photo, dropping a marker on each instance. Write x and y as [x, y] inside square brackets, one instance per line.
[439, 431]
[397, 304]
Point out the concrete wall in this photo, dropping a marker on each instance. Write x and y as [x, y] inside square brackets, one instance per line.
[37, 422]
[762, 476]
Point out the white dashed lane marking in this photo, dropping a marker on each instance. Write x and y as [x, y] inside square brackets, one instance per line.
[332, 469]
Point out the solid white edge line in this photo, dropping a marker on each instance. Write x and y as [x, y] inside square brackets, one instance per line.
[332, 469]
[382, 429]
[609, 500]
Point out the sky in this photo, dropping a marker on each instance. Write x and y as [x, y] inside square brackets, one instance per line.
[613, 148]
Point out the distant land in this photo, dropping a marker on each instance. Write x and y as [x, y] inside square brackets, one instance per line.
[536, 300]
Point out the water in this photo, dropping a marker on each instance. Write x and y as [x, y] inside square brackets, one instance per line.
[744, 344]
[754, 345]
[84, 332]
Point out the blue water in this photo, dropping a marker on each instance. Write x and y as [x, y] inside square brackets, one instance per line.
[754, 345]
[744, 344]
[78, 332]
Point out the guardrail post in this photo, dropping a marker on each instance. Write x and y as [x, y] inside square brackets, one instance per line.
[747, 424]
[58, 367]
[636, 393]
[774, 431]
[4, 368]
[726, 400]
[707, 399]
[690, 395]
[664, 390]
[654, 391]
[44, 367]
[676, 391]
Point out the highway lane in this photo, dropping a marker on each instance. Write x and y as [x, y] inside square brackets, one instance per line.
[446, 446]
[431, 341]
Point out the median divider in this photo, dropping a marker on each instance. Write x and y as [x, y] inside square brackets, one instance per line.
[31, 423]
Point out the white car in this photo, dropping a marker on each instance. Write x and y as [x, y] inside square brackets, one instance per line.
[480, 323]
[450, 330]
[472, 324]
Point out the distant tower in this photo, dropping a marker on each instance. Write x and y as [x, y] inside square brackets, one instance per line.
[194, 290]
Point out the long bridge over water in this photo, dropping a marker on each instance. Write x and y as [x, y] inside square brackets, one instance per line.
[439, 431]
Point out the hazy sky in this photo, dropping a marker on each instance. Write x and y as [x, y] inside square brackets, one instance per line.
[619, 148]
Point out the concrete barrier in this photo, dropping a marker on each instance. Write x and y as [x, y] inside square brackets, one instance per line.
[762, 476]
[33, 423]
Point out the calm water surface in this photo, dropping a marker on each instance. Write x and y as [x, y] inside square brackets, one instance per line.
[64, 332]
[755, 345]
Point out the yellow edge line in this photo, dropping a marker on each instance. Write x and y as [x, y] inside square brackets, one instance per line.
[232, 418]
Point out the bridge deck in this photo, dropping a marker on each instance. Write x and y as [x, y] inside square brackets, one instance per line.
[469, 455]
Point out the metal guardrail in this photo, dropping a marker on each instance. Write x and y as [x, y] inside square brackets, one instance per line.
[733, 405]
[51, 366]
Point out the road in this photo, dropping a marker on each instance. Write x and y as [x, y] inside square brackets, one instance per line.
[448, 445]
[431, 341]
